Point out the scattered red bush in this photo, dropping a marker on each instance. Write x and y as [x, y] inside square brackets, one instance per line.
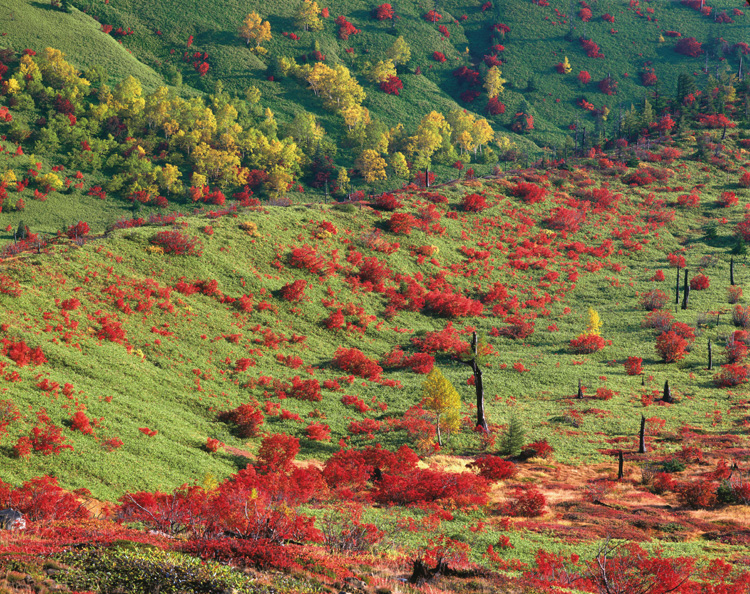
[318, 432]
[699, 282]
[586, 344]
[356, 362]
[653, 300]
[671, 346]
[731, 375]
[247, 419]
[688, 46]
[177, 243]
[526, 503]
[294, 292]
[633, 366]
[726, 199]
[474, 203]
[494, 468]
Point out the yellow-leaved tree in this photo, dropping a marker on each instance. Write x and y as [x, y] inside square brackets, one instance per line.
[595, 324]
[440, 397]
[371, 165]
[255, 30]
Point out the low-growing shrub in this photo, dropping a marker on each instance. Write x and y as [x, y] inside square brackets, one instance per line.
[247, 419]
[178, 243]
[526, 503]
[494, 468]
[586, 344]
[653, 299]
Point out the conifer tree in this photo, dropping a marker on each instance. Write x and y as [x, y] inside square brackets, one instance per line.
[513, 438]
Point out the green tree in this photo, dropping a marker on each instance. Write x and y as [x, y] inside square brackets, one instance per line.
[513, 438]
[440, 397]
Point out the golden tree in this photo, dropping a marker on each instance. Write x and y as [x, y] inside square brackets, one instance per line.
[595, 324]
[256, 30]
[494, 83]
[440, 397]
[566, 67]
[371, 165]
[307, 16]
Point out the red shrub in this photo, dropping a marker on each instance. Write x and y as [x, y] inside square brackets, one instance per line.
[451, 305]
[384, 12]
[726, 199]
[213, 445]
[586, 344]
[178, 243]
[591, 48]
[494, 468]
[689, 200]
[294, 292]
[731, 375]
[423, 485]
[734, 294]
[653, 300]
[307, 258]
[608, 86]
[420, 363]
[353, 468]
[318, 432]
[356, 362]
[584, 77]
[699, 282]
[277, 452]
[671, 346]
[305, 389]
[700, 494]
[474, 203]
[526, 503]
[447, 340]
[530, 193]
[22, 354]
[387, 202]
[745, 179]
[741, 316]
[48, 438]
[433, 16]
[41, 498]
[247, 419]
[392, 86]
[689, 46]
[401, 223]
[541, 448]
[495, 106]
[346, 29]
[79, 230]
[633, 366]
[438, 56]
[80, 422]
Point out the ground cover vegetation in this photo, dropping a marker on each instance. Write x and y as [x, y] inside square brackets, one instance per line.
[533, 380]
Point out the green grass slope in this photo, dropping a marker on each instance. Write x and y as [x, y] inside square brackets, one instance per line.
[36, 25]
[176, 364]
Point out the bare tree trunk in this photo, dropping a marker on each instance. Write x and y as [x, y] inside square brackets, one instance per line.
[478, 382]
[686, 293]
[710, 356]
[642, 441]
[677, 289]
[580, 391]
[620, 464]
[437, 425]
[667, 396]
[731, 271]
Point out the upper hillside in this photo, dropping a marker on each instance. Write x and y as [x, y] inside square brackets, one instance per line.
[341, 98]
[636, 40]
